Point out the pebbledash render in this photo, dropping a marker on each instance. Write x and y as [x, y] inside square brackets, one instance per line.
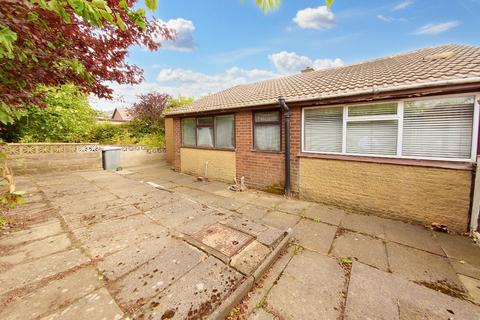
[395, 136]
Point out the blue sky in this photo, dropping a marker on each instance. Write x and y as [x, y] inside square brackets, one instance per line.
[222, 43]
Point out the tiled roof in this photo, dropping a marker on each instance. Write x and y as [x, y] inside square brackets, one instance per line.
[422, 67]
[124, 113]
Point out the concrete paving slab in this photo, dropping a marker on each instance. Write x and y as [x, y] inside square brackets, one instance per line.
[121, 240]
[220, 202]
[462, 267]
[179, 212]
[271, 237]
[424, 268]
[293, 206]
[326, 214]
[223, 239]
[53, 296]
[280, 220]
[24, 274]
[122, 262]
[96, 305]
[310, 288]
[35, 249]
[249, 258]
[243, 224]
[35, 232]
[253, 212]
[371, 225]
[88, 218]
[112, 227]
[362, 248]
[473, 287]
[460, 248]
[150, 202]
[375, 294]
[263, 199]
[412, 235]
[195, 224]
[259, 292]
[210, 186]
[261, 314]
[314, 236]
[196, 294]
[137, 287]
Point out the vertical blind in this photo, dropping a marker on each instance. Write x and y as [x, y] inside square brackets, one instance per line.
[435, 128]
[323, 129]
[440, 128]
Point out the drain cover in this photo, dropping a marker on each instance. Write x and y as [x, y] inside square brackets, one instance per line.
[226, 240]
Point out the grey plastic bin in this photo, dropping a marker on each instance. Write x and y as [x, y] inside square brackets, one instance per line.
[111, 158]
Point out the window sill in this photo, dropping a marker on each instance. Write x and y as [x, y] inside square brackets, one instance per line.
[208, 148]
[266, 151]
[456, 165]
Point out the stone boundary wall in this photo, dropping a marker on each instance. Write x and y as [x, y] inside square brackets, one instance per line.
[135, 155]
[31, 158]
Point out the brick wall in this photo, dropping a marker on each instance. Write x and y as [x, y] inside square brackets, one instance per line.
[263, 170]
[221, 164]
[419, 194]
[266, 170]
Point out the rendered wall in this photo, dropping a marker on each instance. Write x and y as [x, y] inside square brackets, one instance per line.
[414, 193]
[221, 164]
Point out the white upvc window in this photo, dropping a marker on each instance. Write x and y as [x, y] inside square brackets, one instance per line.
[435, 128]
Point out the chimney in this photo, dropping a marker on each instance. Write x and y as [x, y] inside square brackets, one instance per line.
[308, 69]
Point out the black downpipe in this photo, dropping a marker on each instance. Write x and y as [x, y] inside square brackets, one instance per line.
[286, 111]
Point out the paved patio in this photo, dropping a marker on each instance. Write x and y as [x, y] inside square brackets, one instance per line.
[150, 243]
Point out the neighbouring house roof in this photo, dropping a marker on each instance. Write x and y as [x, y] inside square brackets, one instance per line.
[124, 114]
[427, 67]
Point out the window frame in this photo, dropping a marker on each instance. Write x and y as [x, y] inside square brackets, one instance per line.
[267, 123]
[399, 117]
[213, 125]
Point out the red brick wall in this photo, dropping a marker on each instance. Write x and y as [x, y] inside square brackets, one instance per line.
[262, 170]
[265, 170]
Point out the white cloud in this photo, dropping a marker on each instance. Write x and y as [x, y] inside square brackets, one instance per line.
[390, 19]
[315, 18]
[291, 62]
[184, 40]
[436, 28]
[176, 81]
[182, 81]
[403, 5]
[384, 18]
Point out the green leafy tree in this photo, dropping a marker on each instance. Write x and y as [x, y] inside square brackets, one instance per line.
[67, 118]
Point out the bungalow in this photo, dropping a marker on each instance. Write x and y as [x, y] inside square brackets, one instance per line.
[395, 136]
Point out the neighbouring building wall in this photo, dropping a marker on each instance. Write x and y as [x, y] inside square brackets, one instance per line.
[169, 140]
[220, 164]
[419, 194]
